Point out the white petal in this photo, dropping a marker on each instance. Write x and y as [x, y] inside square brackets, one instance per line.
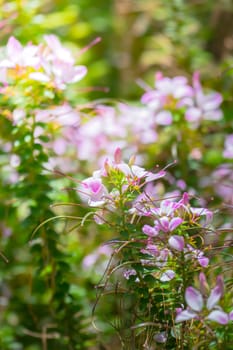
[218, 316]
[167, 276]
[194, 298]
[214, 297]
[185, 316]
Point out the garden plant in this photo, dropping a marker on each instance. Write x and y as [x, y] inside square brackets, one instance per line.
[116, 212]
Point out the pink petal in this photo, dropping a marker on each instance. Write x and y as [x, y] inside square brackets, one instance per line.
[95, 186]
[214, 297]
[203, 261]
[218, 316]
[164, 224]
[193, 114]
[174, 223]
[151, 176]
[118, 155]
[194, 298]
[185, 316]
[14, 48]
[212, 101]
[80, 72]
[163, 118]
[204, 287]
[213, 115]
[176, 242]
[149, 231]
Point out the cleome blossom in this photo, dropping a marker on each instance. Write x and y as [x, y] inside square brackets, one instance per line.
[125, 175]
[166, 229]
[201, 307]
[167, 95]
[203, 107]
[48, 63]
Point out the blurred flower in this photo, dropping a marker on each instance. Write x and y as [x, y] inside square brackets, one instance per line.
[203, 107]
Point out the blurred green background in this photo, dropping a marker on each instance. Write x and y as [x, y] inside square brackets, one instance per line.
[138, 37]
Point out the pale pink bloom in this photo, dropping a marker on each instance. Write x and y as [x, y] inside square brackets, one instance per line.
[16, 54]
[93, 191]
[204, 107]
[166, 89]
[194, 299]
[167, 208]
[57, 49]
[167, 224]
[195, 302]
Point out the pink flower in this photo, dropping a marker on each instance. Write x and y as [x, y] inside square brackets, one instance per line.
[169, 93]
[16, 54]
[94, 191]
[203, 107]
[167, 224]
[195, 303]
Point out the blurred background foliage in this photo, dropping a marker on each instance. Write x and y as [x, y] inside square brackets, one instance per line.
[138, 37]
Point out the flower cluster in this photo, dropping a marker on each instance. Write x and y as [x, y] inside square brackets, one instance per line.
[161, 246]
[118, 185]
[124, 179]
[134, 128]
[48, 63]
[172, 94]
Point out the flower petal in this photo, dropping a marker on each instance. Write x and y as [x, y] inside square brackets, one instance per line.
[167, 276]
[203, 261]
[176, 242]
[149, 231]
[218, 316]
[214, 297]
[194, 298]
[174, 223]
[185, 316]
